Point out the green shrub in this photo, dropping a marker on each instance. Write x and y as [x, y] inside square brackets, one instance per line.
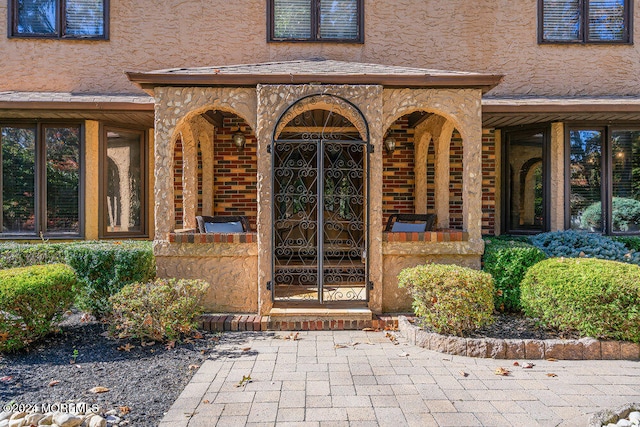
[104, 268]
[597, 298]
[451, 299]
[14, 255]
[160, 310]
[579, 244]
[625, 214]
[31, 299]
[507, 261]
[630, 242]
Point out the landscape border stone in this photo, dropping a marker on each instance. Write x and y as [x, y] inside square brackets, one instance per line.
[582, 349]
[607, 416]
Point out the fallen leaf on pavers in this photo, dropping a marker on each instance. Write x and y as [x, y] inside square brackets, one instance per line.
[197, 335]
[463, 373]
[392, 337]
[339, 346]
[244, 381]
[551, 359]
[124, 410]
[127, 347]
[369, 330]
[193, 367]
[246, 349]
[403, 354]
[170, 345]
[502, 371]
[206, 401]
[355, 343]
[98, 389]
[552, 375]
[53, 382]
[516, 363]
[528, 365]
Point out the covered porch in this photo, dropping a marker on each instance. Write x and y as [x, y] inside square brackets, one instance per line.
[317, 155]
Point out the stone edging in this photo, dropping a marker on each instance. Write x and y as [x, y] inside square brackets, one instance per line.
[602, 418]
[582, 349]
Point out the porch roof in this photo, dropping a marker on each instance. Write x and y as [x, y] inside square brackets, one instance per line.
[313, 71]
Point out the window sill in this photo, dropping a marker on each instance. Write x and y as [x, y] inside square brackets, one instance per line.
[429, 236]
[204, 238]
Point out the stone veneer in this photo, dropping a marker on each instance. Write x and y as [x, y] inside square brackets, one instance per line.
[582, 349]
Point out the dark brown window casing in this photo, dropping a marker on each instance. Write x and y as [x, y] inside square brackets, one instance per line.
[581, 22]
[313, 28]
[53, 23]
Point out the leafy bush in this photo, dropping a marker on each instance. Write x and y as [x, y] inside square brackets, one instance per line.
[630, 242]
[575, 244]
[597, 298]
[31, 299]
[14, 255]
[451, 299]
[160, 310]
[507, 261]
[104, 268]
[625, 214]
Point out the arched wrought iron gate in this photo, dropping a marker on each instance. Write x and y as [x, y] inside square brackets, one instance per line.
[319, 209]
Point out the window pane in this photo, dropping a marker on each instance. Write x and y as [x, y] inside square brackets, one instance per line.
[37, 17]
[18, 180]
[124, 182]
[292, 19]
[339, 19]
[561, 20]
[586, 168]
[525, 182]
[625, 158]
[606, 20]
[63, 178]
[85, 18]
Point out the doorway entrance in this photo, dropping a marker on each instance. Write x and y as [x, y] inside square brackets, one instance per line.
[319, 207]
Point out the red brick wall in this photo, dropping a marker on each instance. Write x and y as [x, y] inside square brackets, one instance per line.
[488, 181]
[455, 182]
[398, 181]
[177, 182]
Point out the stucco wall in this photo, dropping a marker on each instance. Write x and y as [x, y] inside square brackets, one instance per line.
[498, 36]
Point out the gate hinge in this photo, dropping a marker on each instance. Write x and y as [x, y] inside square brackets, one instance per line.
[370, 148]
[370, 285]
[269, 285]
[269, 148]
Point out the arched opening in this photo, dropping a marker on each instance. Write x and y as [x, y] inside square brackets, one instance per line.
[214, 175]
[319, 203]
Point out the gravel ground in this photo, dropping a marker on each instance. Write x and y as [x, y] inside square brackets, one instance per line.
[146, 380]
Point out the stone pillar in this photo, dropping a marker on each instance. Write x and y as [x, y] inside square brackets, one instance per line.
[207, 150]
[498, 202]
[557, 176]
[190, 137]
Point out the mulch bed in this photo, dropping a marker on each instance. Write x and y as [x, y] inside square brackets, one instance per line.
[143, 380]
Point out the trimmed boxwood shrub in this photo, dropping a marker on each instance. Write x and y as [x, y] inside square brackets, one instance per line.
[104, 268]
[450, 298]
[31, 300]
[14, 255]
[630, 242]
[507, 261]
[579, 244]
[162, 310]
[626, 214]
[597, 298]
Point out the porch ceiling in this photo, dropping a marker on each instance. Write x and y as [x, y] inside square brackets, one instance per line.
[313, 71]
[116, 109]
[508, 112]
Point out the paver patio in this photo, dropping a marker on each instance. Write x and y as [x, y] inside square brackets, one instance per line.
[362, 378]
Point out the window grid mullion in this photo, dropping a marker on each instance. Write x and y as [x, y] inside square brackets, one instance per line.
[584, 20]
[62, 18]
[315, 20]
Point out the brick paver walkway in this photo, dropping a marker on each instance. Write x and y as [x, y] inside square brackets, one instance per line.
[362, 378]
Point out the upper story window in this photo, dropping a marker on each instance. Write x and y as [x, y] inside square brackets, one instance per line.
[585, 21]
[72, 19]
[316, 20]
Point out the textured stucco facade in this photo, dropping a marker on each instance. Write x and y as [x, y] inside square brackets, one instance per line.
[491, 36]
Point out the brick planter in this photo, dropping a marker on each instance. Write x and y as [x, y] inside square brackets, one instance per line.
[582, 349]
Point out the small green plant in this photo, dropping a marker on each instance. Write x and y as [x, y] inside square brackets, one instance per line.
[625, 215]
[597, 298]
[450, 298]
[162, 310]
[507, 261]
[74, 356]
[579, 244]
[104, 268]
[32, 299]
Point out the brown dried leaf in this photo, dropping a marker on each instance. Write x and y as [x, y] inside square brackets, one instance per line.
[170, 345]
[552, 375]
[339, 346]
[53, 383]
[246, 349]
[516, 363]
[193, 367]
[551, 359]
[4, 336]
[502, 371]
[98, 389]
[206, 401]
[197, 335]
[127, 347]
[368, 329]
[124, 410]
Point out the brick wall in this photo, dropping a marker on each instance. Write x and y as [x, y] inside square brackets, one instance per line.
[455, 182]
[177, 182]
[488, 181]
[398, 182]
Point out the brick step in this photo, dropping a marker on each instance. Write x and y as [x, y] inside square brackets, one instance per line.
[249, 322]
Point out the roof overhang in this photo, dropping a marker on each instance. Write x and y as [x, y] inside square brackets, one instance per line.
[313, 72]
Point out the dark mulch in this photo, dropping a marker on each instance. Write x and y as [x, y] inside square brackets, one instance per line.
[145, 379]
[516, 326]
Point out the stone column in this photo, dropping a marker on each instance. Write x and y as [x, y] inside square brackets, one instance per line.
[190, 137]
